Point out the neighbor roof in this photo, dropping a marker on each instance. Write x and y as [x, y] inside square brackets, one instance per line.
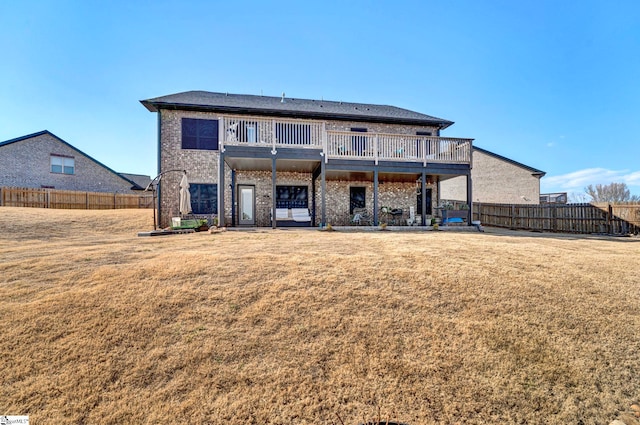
[534, 171]
[139, 179]
[134, 185]
[284, 106]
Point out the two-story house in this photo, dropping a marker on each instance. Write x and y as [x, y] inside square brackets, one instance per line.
[260, 160]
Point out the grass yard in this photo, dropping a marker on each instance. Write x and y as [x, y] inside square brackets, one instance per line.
[308, 327]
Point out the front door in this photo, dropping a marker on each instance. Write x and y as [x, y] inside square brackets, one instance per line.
[247, 205]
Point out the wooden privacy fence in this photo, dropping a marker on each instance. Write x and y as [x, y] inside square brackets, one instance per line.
[68, 199]
[615, 219]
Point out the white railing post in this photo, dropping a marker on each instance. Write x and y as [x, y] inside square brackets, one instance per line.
[273, 136]
[221, 133]
[324, 143]
[376, 148]
[425, 144]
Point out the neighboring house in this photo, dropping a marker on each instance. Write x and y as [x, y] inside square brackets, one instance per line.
[43, 160]
[495, 179]
[554, 198]
[259, 160]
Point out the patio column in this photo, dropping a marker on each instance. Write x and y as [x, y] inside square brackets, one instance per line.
[469, 199]
[313, 199]
[375, 196]
[221, 190]
[423, 199]
[273, 191]
[323, 187]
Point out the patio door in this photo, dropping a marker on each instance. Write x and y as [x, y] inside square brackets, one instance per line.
[246, 205]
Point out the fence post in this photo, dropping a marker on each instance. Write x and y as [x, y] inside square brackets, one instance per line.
[1, 198]
[609, 219]
[513, 216]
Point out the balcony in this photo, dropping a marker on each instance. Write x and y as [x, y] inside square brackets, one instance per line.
[343, 144]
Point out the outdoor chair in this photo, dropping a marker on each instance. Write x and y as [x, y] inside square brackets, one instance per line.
[360, 217]
[396, 216]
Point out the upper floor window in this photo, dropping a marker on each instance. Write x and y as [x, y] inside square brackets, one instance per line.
[62, 164]
[199, 134]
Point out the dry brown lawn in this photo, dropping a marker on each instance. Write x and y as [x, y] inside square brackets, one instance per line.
[100, 326]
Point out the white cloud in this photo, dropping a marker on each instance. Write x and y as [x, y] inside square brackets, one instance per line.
[550, 144]
[576, 181]
[633, 178]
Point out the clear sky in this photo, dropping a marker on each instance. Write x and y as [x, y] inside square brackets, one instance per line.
[553, 84]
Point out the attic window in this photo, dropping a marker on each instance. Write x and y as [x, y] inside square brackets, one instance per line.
[62, 164]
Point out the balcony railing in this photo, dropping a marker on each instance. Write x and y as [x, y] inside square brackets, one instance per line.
[265, 132]
[397, 147]
[343, 144]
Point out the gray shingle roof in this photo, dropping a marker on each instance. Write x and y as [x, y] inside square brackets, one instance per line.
[291, 107]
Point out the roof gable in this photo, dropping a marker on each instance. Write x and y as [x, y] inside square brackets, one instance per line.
[291, 107]
[134, 185]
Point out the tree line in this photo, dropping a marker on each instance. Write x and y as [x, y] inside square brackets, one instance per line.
[614, 193]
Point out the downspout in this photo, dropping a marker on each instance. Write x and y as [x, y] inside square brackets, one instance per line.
[233, 198]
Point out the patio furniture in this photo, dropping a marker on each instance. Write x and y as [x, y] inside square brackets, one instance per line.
[396, 216]
[360, 217]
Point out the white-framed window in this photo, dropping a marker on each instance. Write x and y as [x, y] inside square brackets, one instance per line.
[62, 165]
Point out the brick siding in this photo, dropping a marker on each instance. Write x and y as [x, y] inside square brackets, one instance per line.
[495, 181]
[27, 163]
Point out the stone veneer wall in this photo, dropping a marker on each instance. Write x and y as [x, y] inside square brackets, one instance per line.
[262, 181]
[391, 194]
[27, 163]
[495, 181]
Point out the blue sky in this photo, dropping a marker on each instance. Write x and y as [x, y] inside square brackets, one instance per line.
[551, 84]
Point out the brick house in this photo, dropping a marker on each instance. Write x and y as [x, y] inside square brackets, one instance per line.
[43, 160]
[256, 160]
[496, 179]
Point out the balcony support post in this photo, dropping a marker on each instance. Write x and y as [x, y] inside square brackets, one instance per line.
[221, 190]
[375, 195]
[273, 190]
[469, 199]
[323, 188]
[423, 188]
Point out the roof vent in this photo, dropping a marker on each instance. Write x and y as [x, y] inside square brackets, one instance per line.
[282, 100]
